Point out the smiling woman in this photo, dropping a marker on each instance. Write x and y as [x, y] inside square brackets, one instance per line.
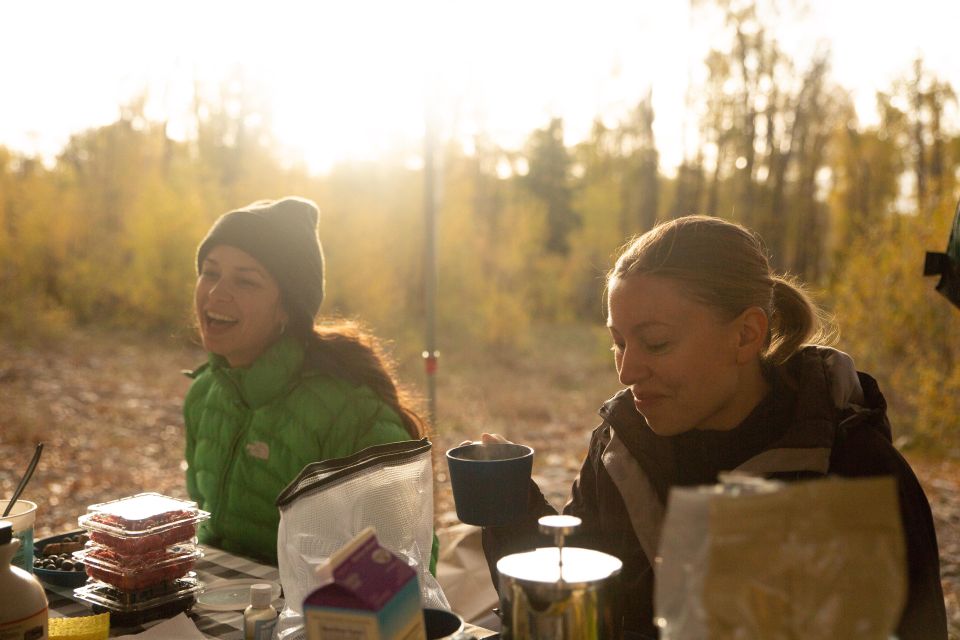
[698, 356]
[276, 393]
[238, 306]
[711, 348]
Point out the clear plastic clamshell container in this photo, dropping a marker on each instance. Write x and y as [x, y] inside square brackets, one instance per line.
[142, 523]
[131, 608]
[140, 571]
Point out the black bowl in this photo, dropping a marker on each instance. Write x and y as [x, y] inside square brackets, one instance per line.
[56, 576]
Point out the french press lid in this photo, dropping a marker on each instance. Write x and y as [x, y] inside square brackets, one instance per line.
[560, 564]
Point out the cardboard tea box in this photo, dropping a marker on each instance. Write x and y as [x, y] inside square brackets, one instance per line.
[366, 593]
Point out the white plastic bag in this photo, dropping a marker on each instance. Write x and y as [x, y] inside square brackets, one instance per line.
[388, 487]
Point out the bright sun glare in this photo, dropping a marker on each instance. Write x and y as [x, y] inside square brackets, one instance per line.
[351, 80]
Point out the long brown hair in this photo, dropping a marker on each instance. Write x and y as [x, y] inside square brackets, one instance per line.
[725, 266]
[344, 350]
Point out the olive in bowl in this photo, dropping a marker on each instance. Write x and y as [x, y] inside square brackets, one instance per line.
[53, 560]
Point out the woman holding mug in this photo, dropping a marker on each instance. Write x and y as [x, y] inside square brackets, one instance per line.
[277, 392]
[714, 352]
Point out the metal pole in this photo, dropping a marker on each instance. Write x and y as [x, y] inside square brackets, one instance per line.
[430, 355]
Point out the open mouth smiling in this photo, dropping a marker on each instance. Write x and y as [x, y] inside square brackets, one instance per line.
[219, 320]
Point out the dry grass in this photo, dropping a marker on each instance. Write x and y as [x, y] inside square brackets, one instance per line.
[106, 407]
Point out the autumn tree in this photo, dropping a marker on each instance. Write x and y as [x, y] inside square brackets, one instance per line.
[913, 110]
[689, 188]
[548, 179]
[640, 188]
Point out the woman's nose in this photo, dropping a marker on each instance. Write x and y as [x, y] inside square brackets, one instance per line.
[633, 368]
[220, 290]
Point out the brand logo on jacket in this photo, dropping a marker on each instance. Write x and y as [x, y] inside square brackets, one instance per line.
[259, 450]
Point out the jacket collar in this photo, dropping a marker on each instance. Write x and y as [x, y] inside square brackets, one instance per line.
[268, 377]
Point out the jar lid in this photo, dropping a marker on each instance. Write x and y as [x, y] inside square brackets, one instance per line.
[580, 566]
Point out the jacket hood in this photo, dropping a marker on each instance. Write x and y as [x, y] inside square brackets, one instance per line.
[840, 375]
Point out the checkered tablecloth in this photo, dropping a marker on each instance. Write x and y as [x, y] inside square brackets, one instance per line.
[215, 565]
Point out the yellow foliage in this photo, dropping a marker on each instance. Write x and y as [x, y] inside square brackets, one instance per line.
[898, 328]
[370, 228]
[108, 236]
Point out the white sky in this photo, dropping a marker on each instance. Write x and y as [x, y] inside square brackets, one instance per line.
[347, 78]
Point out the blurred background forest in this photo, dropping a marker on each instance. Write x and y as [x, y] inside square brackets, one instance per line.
[98, 235]
[104, 235]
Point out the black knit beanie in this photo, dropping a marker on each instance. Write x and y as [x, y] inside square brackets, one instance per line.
[282, 236]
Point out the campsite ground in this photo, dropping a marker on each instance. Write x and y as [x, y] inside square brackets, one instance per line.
[107, 409]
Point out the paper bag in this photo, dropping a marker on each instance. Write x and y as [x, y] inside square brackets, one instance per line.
[818, 560]
[462, 572]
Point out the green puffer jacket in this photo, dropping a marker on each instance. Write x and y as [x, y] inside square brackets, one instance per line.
[251, 431]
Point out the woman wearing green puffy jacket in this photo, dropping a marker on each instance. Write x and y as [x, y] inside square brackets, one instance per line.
[277, 392]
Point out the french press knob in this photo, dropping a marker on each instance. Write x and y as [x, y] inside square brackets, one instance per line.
[559, 527]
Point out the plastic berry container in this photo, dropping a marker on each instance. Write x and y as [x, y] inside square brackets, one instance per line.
[142, 523]
[141, 571]
[133, 608]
